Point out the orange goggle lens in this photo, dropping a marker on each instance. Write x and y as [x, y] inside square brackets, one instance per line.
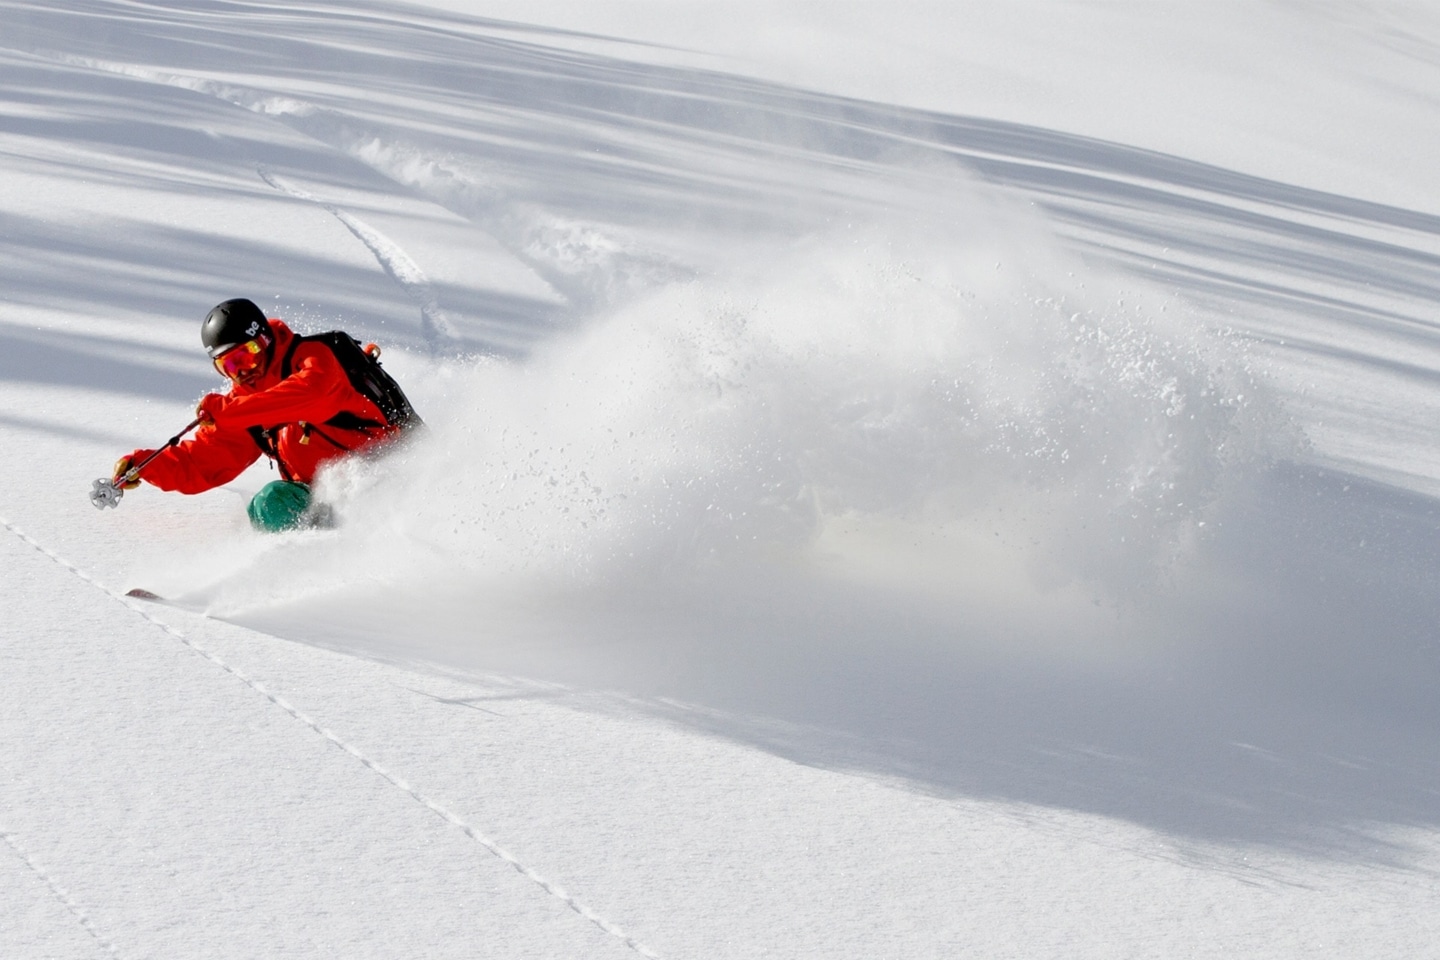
[240, 360]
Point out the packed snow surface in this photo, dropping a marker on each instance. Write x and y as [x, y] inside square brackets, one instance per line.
[905, 480]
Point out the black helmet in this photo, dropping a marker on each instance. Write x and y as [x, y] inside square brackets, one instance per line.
[232, 323]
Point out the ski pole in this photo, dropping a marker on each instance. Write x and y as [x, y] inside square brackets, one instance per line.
[107, 492]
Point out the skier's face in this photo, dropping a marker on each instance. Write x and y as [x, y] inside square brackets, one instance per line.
[244, 363]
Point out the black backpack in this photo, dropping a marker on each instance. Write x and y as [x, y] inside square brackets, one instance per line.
[367, 377]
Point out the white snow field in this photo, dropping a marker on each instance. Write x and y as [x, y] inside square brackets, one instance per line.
[901, 480]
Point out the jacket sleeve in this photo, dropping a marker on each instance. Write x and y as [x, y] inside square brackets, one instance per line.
[315, 391]
[214, 456]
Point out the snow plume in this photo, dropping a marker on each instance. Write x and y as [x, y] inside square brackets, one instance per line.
[866, 383]
[940, 409]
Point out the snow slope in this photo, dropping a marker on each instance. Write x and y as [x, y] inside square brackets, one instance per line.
[934, 480]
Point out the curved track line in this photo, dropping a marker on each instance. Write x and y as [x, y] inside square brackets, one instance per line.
[435, 325]
[59, 892]
[547, 885]
[583, 262]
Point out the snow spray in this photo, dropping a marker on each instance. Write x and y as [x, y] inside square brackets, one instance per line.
[944, 411]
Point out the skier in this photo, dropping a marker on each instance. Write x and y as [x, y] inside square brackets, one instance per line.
[301, 401]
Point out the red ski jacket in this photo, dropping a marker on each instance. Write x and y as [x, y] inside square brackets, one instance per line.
[300, 421]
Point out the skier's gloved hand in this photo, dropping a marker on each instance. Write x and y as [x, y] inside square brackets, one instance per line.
[210, 406]
[124, 464]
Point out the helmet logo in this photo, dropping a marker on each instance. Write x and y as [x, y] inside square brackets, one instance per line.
[253, 329]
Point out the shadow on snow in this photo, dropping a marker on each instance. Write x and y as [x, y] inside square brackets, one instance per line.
[1300, 708]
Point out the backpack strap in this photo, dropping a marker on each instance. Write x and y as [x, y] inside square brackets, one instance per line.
[262, 436]
[344, 419]
[287, 361]
[266, 442]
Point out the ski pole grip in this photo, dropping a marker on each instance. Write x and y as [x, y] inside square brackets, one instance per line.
[107, 492]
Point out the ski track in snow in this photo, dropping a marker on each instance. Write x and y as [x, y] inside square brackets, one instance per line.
[395, 780]
[1105, 810]
[60, 893]
[586, 264]
[435, 326]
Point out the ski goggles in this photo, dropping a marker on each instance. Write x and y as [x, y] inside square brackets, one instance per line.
[243, 359]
